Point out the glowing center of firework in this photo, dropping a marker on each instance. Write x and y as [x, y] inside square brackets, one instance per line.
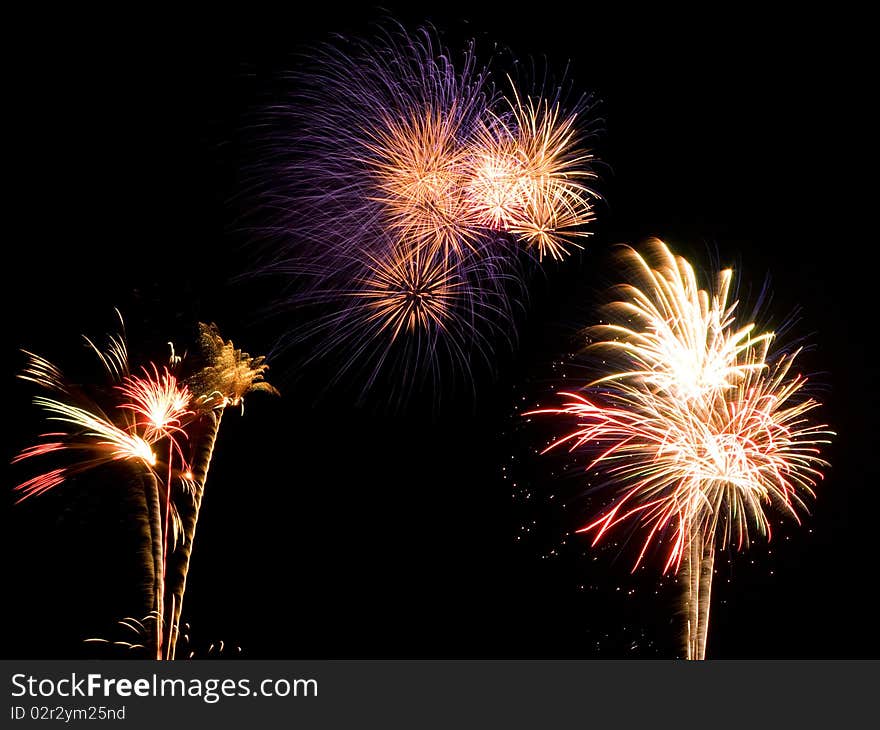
[690, 375]
[160, 413]
[416, 293]
[496, 192]
[423, 300]
[411, 291]
[711, 461]
[140, 449]
[158, 400]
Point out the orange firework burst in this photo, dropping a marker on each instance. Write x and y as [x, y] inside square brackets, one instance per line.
[700, 433]
[527, 177]
[389, 149]
[409, 291]
[418, 165]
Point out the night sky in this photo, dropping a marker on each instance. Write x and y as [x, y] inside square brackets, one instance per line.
[430, 528]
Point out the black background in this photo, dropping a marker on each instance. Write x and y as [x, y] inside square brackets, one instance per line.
[334, 530]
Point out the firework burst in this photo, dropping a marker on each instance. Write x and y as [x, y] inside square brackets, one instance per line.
[409, 291]
[371, 149]
[685, 341]
[701, 434]
[88, 433]
[417, 166]
[414, 313]
[162, 426]
[528, 175]
[398, 181]
[146, 410]
[158, 402]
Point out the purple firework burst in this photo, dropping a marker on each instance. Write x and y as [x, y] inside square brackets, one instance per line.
[399, 186]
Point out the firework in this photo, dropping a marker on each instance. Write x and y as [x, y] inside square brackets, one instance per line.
[410, 291]
[162, 425]
[685, 341]
[89, 434]
[146, 410]
[415, 313]
[157, 401]
[226, 375]
[399, 181]
[371, 149]
[417, 167]
[702, 434]
[528, 176]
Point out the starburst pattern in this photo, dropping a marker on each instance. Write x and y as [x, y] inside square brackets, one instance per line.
[166, 429]
[228, 373]
[394, 149]
[528, 176]
[157, 401]
[410, 291]
[701, 433]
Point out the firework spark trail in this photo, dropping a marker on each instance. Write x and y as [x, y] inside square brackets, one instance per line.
[399, 182]
[372, 143]
[417, 314]
[152, 413]
[700, 434]
[203, 451]
[528, 173]
[227, 376]
[146, 410]
[96, 439]
[159, 404]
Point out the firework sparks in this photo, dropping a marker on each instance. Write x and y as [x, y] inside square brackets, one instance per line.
[157, 401]
[398, 184]
[409, 291]
[150, 408]
[685, 342]
[418, 166]
[700, 433]
[528, 177]
[714, 471]
[146, 410]
[88, 433]
[376, 141]
[151, 414]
